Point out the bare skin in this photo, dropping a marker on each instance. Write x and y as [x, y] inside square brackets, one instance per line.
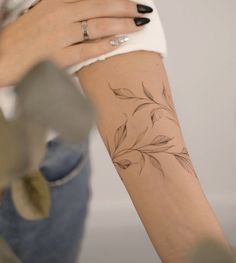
[139, 126]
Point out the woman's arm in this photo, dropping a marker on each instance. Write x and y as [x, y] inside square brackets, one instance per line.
[139, 126]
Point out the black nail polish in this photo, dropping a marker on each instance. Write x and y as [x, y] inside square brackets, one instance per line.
[144, 9]
[139, 21]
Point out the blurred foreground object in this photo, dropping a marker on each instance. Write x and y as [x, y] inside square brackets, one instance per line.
[48, 96]
[3, 10]
[22, 147]
[12, 158]
[46, 99]
[14, 8]
[13, 4]
[211, 252]
[31, 196]
[6, 254]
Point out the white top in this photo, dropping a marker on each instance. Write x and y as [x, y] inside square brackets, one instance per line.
[150, 38]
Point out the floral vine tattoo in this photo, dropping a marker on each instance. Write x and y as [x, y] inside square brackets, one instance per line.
[148, 100]
[159, 144]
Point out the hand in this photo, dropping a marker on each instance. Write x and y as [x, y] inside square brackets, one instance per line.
[52, 29]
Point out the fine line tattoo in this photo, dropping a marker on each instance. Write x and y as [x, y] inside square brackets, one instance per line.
[159, 144]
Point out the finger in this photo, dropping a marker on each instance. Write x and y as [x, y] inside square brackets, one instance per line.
[83, 10]
[102, 27]
[77, 53]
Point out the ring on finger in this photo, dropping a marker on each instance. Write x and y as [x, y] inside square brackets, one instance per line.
[84, 25]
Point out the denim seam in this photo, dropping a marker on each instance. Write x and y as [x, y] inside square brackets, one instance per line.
[74, 173]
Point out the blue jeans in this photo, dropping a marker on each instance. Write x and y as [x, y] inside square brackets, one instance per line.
[67, 169]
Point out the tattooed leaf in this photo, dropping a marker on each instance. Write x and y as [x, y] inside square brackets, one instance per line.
[156, 163]
[156, 115]
[154, 118]
[184, 151]
[147, 93]
[161, 107]
[156, 150]
[184, 154]
[140, 137]
[185, 163]
[164, 92]
[123, 93]
[120, 134]
[142, 163]
[124, 164]
[31, 196]
[160, 140]
[141, 106]
[166, 96]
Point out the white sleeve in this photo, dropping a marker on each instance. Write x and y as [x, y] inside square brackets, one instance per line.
[151, 38]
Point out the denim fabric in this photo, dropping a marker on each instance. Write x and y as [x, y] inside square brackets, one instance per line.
[56, 239]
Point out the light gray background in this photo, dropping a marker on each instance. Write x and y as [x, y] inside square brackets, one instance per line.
[202, 71]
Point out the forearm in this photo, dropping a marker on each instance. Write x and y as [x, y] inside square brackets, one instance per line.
[139, 126]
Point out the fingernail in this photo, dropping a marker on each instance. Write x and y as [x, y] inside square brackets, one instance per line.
[139, 21]
[119, 40]
[144, 9]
